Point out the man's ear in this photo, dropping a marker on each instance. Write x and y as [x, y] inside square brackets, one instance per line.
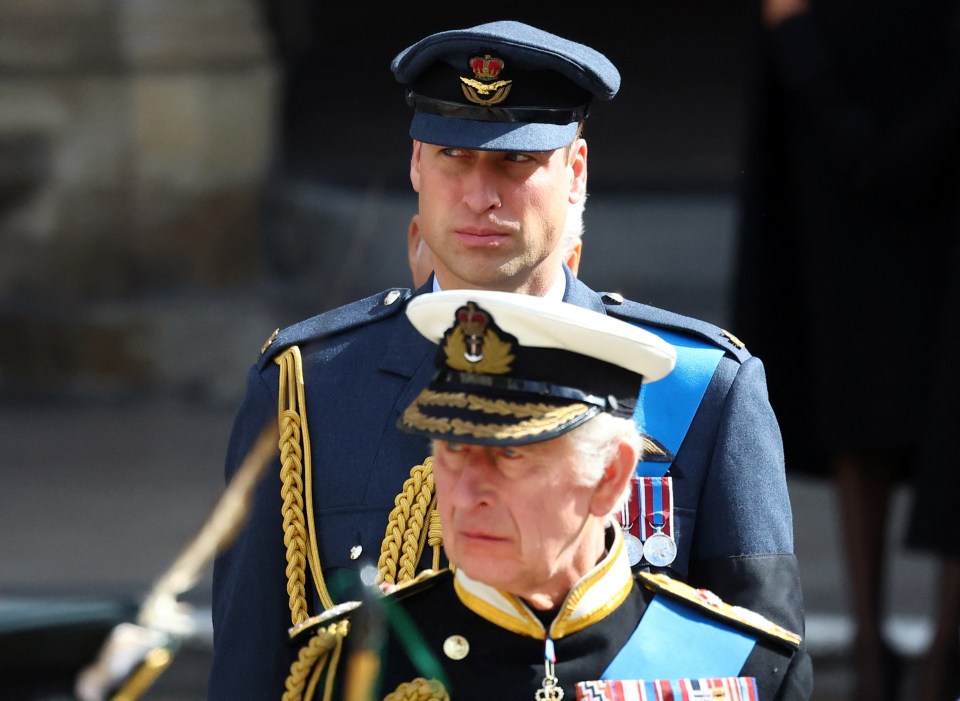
[578, 166]
[418, 255]
[613, 483]
[573, 256]
[415, 166]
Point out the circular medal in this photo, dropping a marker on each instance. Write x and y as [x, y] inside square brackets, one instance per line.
[660, 550]
[634, 548]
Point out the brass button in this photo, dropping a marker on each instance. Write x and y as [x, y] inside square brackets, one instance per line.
[456, 647]
[356, 551]
[392, 296]
[613, 298]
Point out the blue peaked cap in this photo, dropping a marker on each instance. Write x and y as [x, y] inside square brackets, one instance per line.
[502, 86]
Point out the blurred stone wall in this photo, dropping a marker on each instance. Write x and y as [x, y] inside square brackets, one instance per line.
[164, 205]
[134, 136]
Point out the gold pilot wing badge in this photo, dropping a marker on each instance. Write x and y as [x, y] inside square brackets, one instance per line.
[484, 88]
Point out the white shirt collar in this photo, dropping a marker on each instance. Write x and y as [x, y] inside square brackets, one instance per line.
[598, 593]
[556, 291]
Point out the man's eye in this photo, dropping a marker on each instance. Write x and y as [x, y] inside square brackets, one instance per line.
[454, 447]
[517, 157]
[509, 452]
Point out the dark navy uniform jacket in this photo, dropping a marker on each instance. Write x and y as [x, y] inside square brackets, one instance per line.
[364, 363]
[482, 643]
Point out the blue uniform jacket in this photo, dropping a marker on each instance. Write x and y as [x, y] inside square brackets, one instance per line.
[364, 362]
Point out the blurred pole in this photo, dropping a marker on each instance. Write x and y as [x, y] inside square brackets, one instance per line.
[136, 654]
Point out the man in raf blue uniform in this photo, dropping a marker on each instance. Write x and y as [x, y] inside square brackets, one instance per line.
[497, 160]
[534, 445]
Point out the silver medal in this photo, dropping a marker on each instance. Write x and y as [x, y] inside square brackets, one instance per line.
[634, 548]
[660, 550]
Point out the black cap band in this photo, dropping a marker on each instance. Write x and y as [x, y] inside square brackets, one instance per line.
[456, 110]
[450, 380]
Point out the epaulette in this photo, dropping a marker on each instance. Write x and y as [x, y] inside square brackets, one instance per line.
[628, 310]
[713, 605]
[355, 314]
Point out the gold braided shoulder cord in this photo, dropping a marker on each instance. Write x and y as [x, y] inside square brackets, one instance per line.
[420, 689]
[413, 521]
[321, 652]
[297, 488]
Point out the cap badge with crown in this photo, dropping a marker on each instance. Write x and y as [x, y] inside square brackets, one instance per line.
[476, 340]
[486, 68]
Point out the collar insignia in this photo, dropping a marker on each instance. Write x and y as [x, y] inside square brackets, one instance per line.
[477, 89]
[733, 339]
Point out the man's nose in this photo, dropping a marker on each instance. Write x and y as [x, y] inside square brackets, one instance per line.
[481, 188]
[476, 476]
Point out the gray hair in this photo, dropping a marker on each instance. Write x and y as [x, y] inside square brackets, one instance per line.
[595, 443]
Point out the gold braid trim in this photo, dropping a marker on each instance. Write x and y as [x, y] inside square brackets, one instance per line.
[435, 535]
[476, 402]
[542, 417]
[321, 652]
[420, 689]
[296, 490]
[651, 448]
[411, 522]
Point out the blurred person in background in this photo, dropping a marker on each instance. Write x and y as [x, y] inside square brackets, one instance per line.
[848, 234]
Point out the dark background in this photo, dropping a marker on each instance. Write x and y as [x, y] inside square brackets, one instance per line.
[674, 124]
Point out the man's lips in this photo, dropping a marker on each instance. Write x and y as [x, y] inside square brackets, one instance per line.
[481, 237]
[480, 536]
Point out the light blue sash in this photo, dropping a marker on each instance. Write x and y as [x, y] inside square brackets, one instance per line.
[676, 641]
[665, 408]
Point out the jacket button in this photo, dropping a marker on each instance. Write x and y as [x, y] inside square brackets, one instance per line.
[456, 647]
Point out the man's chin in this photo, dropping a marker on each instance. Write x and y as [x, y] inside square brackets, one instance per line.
[487, 570]
[486, 270]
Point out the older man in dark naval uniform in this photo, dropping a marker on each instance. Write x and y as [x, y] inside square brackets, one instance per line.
[497, 160]
[534, 446]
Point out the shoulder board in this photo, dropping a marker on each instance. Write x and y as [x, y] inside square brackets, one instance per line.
[420, 583]
[636, 312]
[338, 612]
[712, 604]
[365, 311]
[331, 615]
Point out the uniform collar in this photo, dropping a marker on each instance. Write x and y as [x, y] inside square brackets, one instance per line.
[578, 293]
[598, 594]
[556, 291]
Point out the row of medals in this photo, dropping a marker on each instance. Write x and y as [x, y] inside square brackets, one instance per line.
[659, 549]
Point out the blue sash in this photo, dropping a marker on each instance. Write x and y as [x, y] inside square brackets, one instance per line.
[675, 641]
[674, 400]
